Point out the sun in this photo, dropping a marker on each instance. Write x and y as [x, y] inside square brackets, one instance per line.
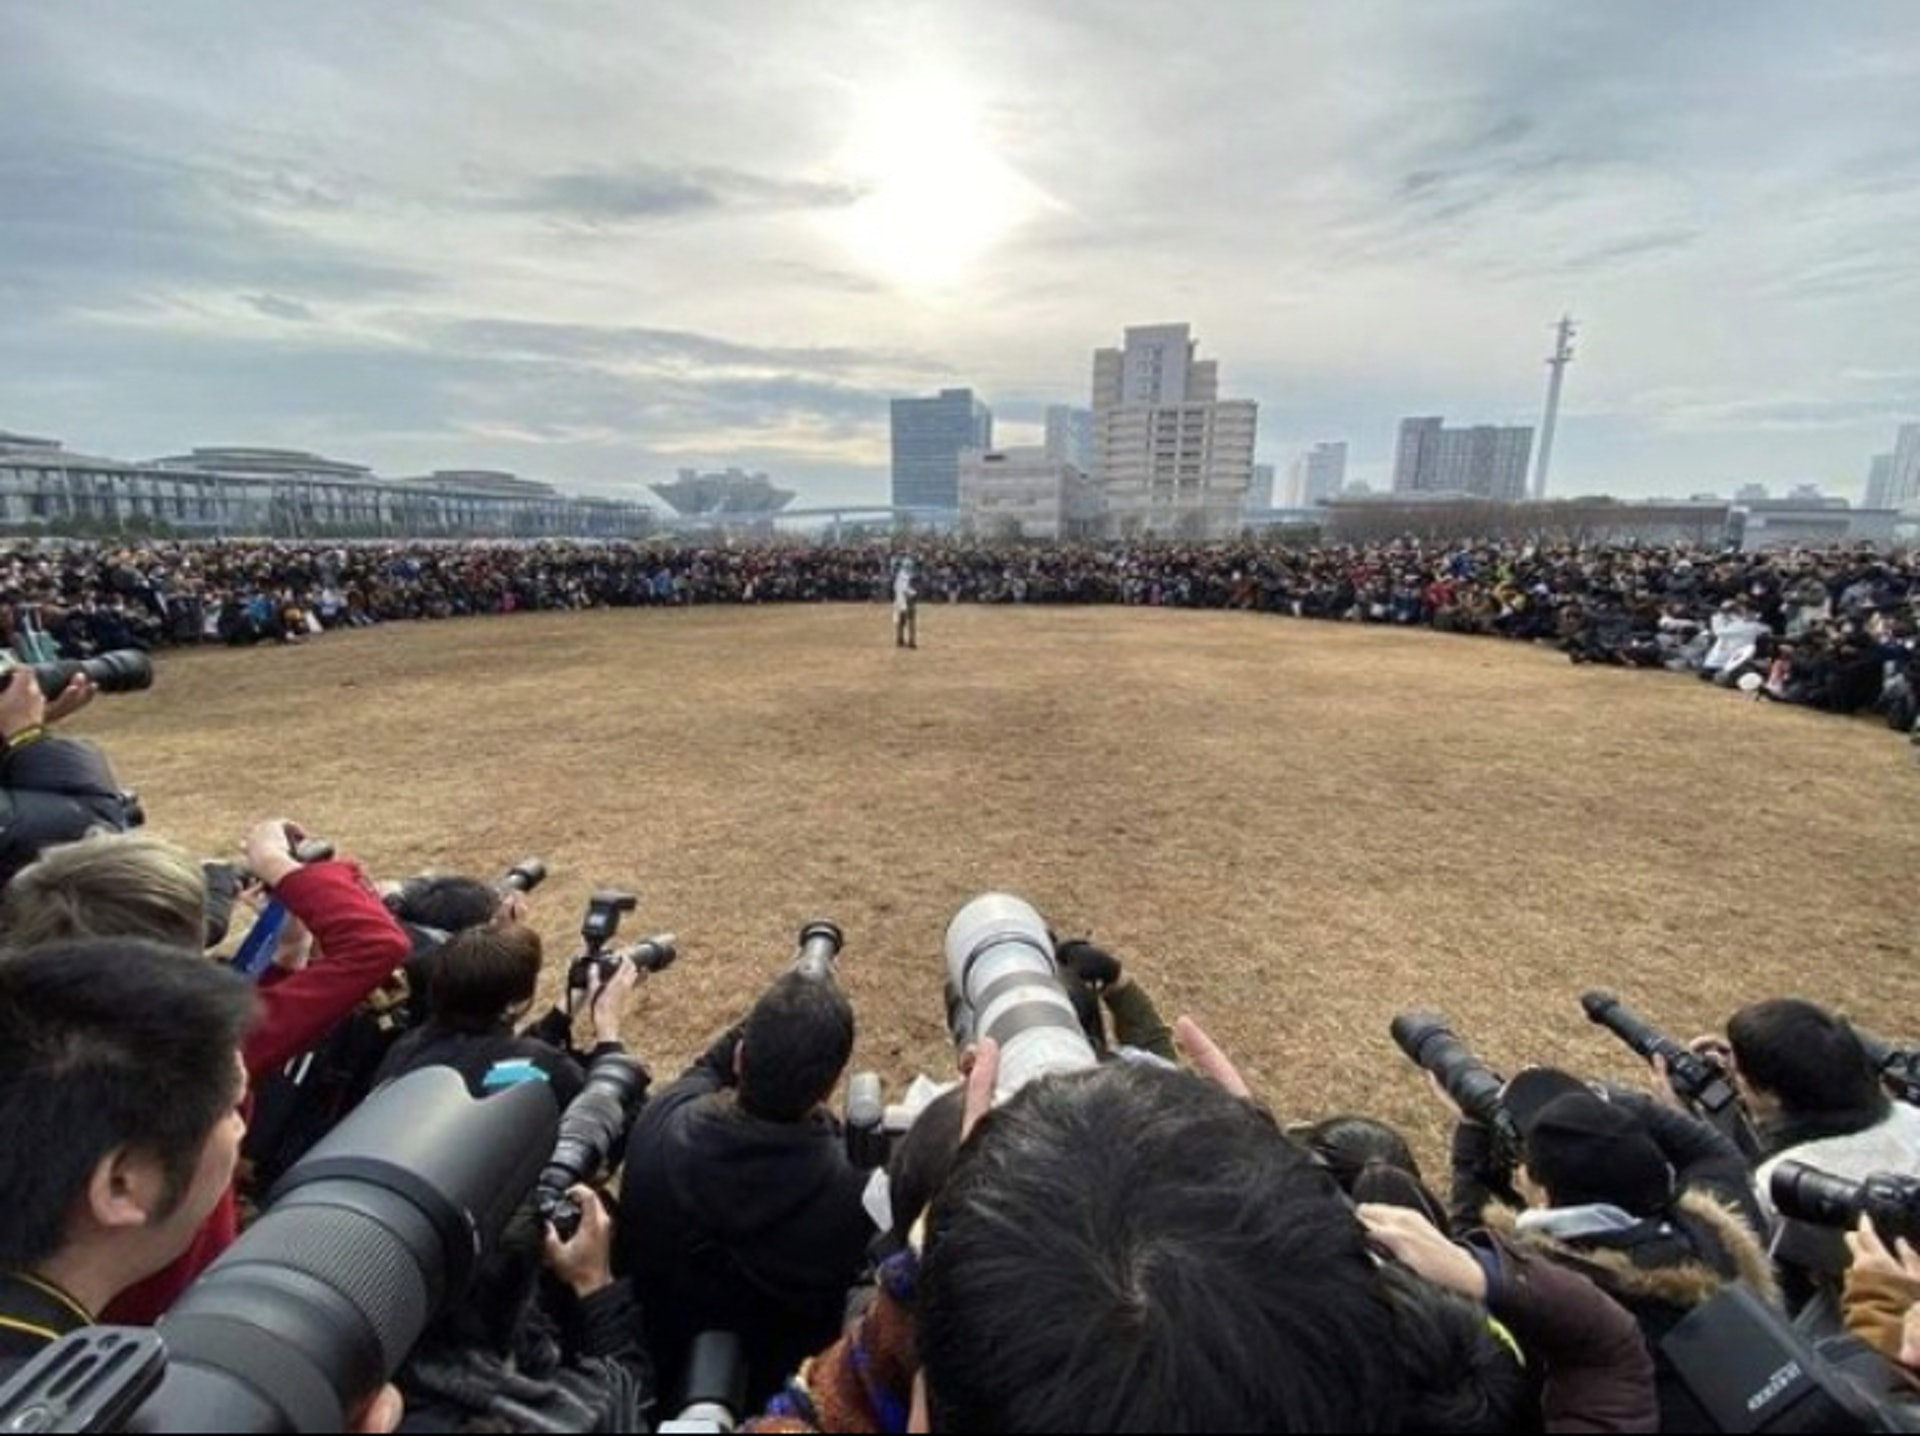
[938, 197]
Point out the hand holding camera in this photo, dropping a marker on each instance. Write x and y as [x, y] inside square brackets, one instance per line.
[582, 1259]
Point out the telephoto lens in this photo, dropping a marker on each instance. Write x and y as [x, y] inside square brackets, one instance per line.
[1431, 1045]
[367, 1239]
[524, 877]
[656, 954]
[819, 954]
[126, 671]
[1806, 1194]
[593, 1137]
[1007, 987]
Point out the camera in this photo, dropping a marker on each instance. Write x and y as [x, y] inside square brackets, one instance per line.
[596, 966]
[1701, 1084]
[1695, 1080]
[366, 1240]
[524, 877]
[869, 1143]
[1004, 984]
[126, 671]
[1899, 1067]
[818, 957]
[1430, 1044]
[1805, 1194]
[592, 1140]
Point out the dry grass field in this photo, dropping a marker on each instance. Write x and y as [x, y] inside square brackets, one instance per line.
[1292, 831]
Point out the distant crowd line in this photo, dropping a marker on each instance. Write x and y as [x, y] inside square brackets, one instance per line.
[1835, 630]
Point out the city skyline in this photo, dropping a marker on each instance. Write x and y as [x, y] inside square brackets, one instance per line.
[595, 251]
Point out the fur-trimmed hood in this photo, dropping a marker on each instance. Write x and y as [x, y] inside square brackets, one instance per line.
[1686, 1285]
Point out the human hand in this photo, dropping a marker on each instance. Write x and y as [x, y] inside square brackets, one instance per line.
[295, 951]
[610, 1004]
[268, 847]
[1871, 1255]
[75, 696]
[1419, 1245]
[584, 1263]
[1208, 1060]
[23, 707]
[1446, 1100]
[513, 911]
[382, 1415]
[1094, 966]
[1663, 1092]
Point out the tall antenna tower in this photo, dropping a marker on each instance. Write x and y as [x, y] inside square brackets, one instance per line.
[1562, 356]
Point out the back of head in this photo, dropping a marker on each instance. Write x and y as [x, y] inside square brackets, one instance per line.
[447, 904]
[1133, 1249]
[107, 1046]
[1810, 1060]
[1347, 1146]
[114, 885]
[796, 1045]
[481, 976]
[923, 1160]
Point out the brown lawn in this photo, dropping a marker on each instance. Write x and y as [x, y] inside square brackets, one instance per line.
[1292, 831]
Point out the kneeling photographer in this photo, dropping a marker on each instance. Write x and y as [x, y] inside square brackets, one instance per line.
[515, 1357]
[481, 985]
[742, 1211]
[1601, 1197]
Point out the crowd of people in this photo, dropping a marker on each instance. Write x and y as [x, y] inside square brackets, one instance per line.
[1834, 630]
[1090, 1223]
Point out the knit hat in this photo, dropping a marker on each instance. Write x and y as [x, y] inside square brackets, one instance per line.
[1532, 1091]
[1587, 1152]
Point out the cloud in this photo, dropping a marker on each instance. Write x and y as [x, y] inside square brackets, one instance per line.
[649, 193]
[273, 306]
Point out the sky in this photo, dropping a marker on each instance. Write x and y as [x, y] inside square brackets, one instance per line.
[595, 241]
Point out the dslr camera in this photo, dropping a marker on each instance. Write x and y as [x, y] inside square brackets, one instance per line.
[593, 1138]
[596, 965]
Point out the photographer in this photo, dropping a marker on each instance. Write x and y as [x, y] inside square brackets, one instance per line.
[340, 944]
[480, 985]
[1813, 1093]
[499, 1361]
[1602, 1199]
[741, 1211]
[52, 790]
[120, 1113]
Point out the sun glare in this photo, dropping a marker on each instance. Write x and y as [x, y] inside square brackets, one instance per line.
[939, 198]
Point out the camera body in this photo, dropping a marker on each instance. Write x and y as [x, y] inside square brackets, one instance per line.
[1899, 1067]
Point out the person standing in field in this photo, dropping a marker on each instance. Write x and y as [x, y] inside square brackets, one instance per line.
[906, 606]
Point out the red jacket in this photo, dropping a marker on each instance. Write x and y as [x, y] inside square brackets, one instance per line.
[359, 946]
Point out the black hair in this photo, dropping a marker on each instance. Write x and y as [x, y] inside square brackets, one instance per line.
[1347, 1146]
[797, 1042]
[450, 904]
[1813, 1062]
[1133, 1249]
[1460, 1376]
[107, 1045]
[923, 1160]
[482, 975]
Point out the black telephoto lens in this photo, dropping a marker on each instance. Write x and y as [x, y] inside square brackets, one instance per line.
[525, 877]
[126, 671]
[1431, 1044]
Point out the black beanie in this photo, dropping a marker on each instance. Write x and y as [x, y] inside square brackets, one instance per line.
[1586, 1152]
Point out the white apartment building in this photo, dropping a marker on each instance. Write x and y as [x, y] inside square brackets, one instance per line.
[1170, 457]
[1026, 493]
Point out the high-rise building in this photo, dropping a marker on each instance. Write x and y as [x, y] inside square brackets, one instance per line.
[1484, 461]
[1880, 482]
[928, 437]
[1318, 474]
[1070, 436]
[1169, 455]
[1905, 489]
